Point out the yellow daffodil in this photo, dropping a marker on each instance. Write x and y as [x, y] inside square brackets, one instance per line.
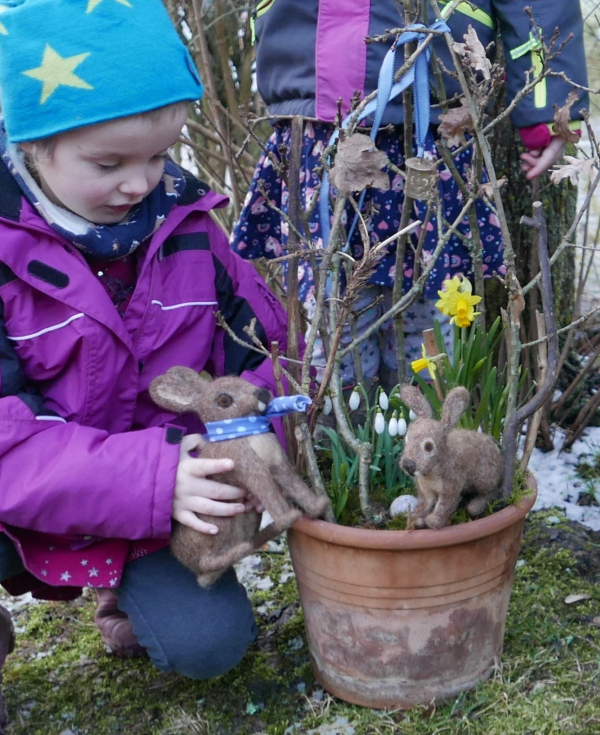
[449, 296]
[465, 312]
[457, 301]
[423, 362]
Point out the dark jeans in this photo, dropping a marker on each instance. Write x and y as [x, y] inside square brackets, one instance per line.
[200, 633]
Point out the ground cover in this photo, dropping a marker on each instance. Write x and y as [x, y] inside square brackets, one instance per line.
[61, 681]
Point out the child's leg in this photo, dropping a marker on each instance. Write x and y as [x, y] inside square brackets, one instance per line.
[115, 627]
[368, 350]
[199, 633]
[10, 561]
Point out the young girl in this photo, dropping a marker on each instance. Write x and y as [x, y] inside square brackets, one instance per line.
[310, 54]
[112, 271]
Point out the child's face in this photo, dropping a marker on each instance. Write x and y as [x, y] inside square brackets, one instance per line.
[100, 172]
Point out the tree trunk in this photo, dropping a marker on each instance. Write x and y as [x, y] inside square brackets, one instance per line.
[560, 204]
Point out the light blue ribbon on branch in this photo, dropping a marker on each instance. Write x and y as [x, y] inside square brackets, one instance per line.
[418, 77]
[218, 431]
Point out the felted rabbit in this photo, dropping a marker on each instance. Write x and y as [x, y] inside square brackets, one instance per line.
[261, 467]
[447, 462]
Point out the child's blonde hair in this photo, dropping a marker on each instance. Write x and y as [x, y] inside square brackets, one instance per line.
[43, 149]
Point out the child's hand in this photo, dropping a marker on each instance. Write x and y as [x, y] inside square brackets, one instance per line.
[539, 160]
[195, 494]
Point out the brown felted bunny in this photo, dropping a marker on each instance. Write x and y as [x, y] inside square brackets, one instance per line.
[261, 467]
[447, 462]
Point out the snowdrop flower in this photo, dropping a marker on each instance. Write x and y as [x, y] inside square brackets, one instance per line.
[379, 424]
[393, 425]
[412, 415]
[327, 406]
[354, 401]
[383, 400]
[401, 427]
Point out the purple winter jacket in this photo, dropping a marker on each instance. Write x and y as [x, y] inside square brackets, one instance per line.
[87, 461]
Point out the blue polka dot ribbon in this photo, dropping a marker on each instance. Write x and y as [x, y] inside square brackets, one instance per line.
[218, 431]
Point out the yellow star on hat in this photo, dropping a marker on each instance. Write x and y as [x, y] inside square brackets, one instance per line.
[56, 71]
[3, 30]
[94, 3]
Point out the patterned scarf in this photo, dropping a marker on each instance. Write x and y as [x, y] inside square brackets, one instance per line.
[104, 242]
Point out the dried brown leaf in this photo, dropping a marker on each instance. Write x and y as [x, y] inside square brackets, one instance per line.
[358, 164]
[572, 169]
[487, 189]
[473, 53]
[562, 117]
[454, 124]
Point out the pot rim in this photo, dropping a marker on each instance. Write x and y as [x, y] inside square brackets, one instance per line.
[368, 538]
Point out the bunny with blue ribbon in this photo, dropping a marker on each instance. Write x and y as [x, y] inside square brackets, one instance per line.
[237, 416]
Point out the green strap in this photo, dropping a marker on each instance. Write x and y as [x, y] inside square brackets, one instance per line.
[534, 46]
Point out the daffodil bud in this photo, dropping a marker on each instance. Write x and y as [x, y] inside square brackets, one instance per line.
[327, 406]
[412, 415]
[401, 427]
[393, 425]
[383, 400]
[354, 401]
[379, 424]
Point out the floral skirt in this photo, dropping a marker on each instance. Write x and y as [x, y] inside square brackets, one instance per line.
[260, 231]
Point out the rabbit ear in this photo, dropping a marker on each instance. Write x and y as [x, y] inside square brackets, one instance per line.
[178, 389]
[412, 396]
[454, 406]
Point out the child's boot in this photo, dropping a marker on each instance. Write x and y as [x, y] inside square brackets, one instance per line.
[7, 644]
[115, 627]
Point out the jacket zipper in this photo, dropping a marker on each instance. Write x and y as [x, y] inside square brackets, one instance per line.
[476, 14]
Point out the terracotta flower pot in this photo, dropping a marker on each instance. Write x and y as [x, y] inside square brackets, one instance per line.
[400, 618]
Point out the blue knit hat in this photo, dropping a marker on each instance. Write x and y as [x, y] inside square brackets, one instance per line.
[69, 63]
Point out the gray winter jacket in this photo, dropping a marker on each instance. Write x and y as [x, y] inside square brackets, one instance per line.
[312, 52]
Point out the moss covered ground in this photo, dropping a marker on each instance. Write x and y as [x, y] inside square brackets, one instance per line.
[61, 680]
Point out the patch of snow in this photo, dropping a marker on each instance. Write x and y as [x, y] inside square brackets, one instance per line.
[249, 571]
[265, 607]
[340, 726]
[287, 572]
[296, 644]
[558, 484]
[14, 604]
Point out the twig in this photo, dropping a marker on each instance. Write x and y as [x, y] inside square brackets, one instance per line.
[562, 330]
[514, 422]
[535, 420]
[565, 241]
